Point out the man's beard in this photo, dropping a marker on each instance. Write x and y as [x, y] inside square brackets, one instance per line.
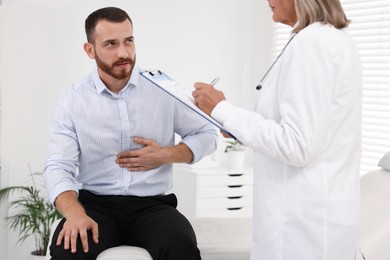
[109, 69]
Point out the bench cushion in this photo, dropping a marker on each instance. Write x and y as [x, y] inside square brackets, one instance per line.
[223, 238]
[218, 239]
[374, 229]
[124, 253]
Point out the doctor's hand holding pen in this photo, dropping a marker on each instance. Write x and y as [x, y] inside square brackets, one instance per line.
[207, 96]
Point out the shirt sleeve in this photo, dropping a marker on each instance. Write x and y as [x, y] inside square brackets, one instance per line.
[196, 132]
[62, 162]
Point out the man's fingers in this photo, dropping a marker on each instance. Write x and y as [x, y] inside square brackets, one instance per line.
[84, 240]
[66, 241]
[128, 162]
[127, 155]
[95, 233]
[60, 237]
[75, 229]
[73, 241]
[140, 140]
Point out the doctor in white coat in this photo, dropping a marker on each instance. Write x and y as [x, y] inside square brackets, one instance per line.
[305, 132]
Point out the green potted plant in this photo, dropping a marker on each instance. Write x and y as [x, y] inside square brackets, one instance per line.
[235, 154]
[32, 214]
[233, 145]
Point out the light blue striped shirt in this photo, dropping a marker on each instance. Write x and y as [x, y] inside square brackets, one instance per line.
[92, 125]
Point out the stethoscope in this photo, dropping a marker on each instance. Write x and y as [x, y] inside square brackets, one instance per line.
[259, 86]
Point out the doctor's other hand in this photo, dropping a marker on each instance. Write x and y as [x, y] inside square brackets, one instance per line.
[207, 97]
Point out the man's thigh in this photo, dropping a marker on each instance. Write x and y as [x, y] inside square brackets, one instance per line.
[163, 231]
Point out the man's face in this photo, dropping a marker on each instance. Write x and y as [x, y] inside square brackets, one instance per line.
[114, 49]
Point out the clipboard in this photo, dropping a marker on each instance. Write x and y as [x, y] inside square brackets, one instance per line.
[179, 92]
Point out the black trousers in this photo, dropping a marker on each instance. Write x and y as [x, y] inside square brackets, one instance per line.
[152, 223]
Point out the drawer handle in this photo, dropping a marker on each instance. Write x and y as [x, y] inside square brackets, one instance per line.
[234, 197]
[235, 175]
[235, 186]
[234, 208]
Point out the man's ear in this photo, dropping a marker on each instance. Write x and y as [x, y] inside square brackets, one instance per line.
[89, 49]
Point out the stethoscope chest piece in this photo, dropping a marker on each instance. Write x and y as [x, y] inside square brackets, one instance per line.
[259, 86]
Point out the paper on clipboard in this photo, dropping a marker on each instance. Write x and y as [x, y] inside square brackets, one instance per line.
[181, 93]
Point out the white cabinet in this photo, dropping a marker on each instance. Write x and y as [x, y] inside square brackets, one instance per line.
[213, 192]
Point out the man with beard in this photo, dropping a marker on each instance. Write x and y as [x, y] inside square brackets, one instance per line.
[111, 152]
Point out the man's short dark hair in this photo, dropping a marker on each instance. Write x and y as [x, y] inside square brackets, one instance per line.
[111, 14]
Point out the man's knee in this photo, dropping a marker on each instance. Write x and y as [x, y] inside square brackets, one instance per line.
[58, 252]
[175, 247]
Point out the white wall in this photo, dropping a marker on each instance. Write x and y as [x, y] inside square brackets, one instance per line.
[41, 55]
[3, 229]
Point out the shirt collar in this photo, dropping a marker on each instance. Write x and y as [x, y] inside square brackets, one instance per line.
[100, 86]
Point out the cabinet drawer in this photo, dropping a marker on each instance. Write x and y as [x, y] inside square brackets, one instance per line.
[236, 212]
[225, 202]
[224, 191]
[224, 179]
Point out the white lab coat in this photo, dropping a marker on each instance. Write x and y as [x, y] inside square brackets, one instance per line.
[306, 134]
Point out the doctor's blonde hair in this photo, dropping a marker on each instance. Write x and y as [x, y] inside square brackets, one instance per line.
[325, 11]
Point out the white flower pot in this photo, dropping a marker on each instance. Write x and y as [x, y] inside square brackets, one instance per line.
[235, 159]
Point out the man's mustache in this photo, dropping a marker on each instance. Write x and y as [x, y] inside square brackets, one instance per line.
[123, 61]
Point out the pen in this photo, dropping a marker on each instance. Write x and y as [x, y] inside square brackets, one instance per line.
[215, 81]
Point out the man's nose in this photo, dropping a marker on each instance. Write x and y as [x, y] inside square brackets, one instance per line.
[122, 52]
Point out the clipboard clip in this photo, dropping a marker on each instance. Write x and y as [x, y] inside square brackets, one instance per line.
[154, 72]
